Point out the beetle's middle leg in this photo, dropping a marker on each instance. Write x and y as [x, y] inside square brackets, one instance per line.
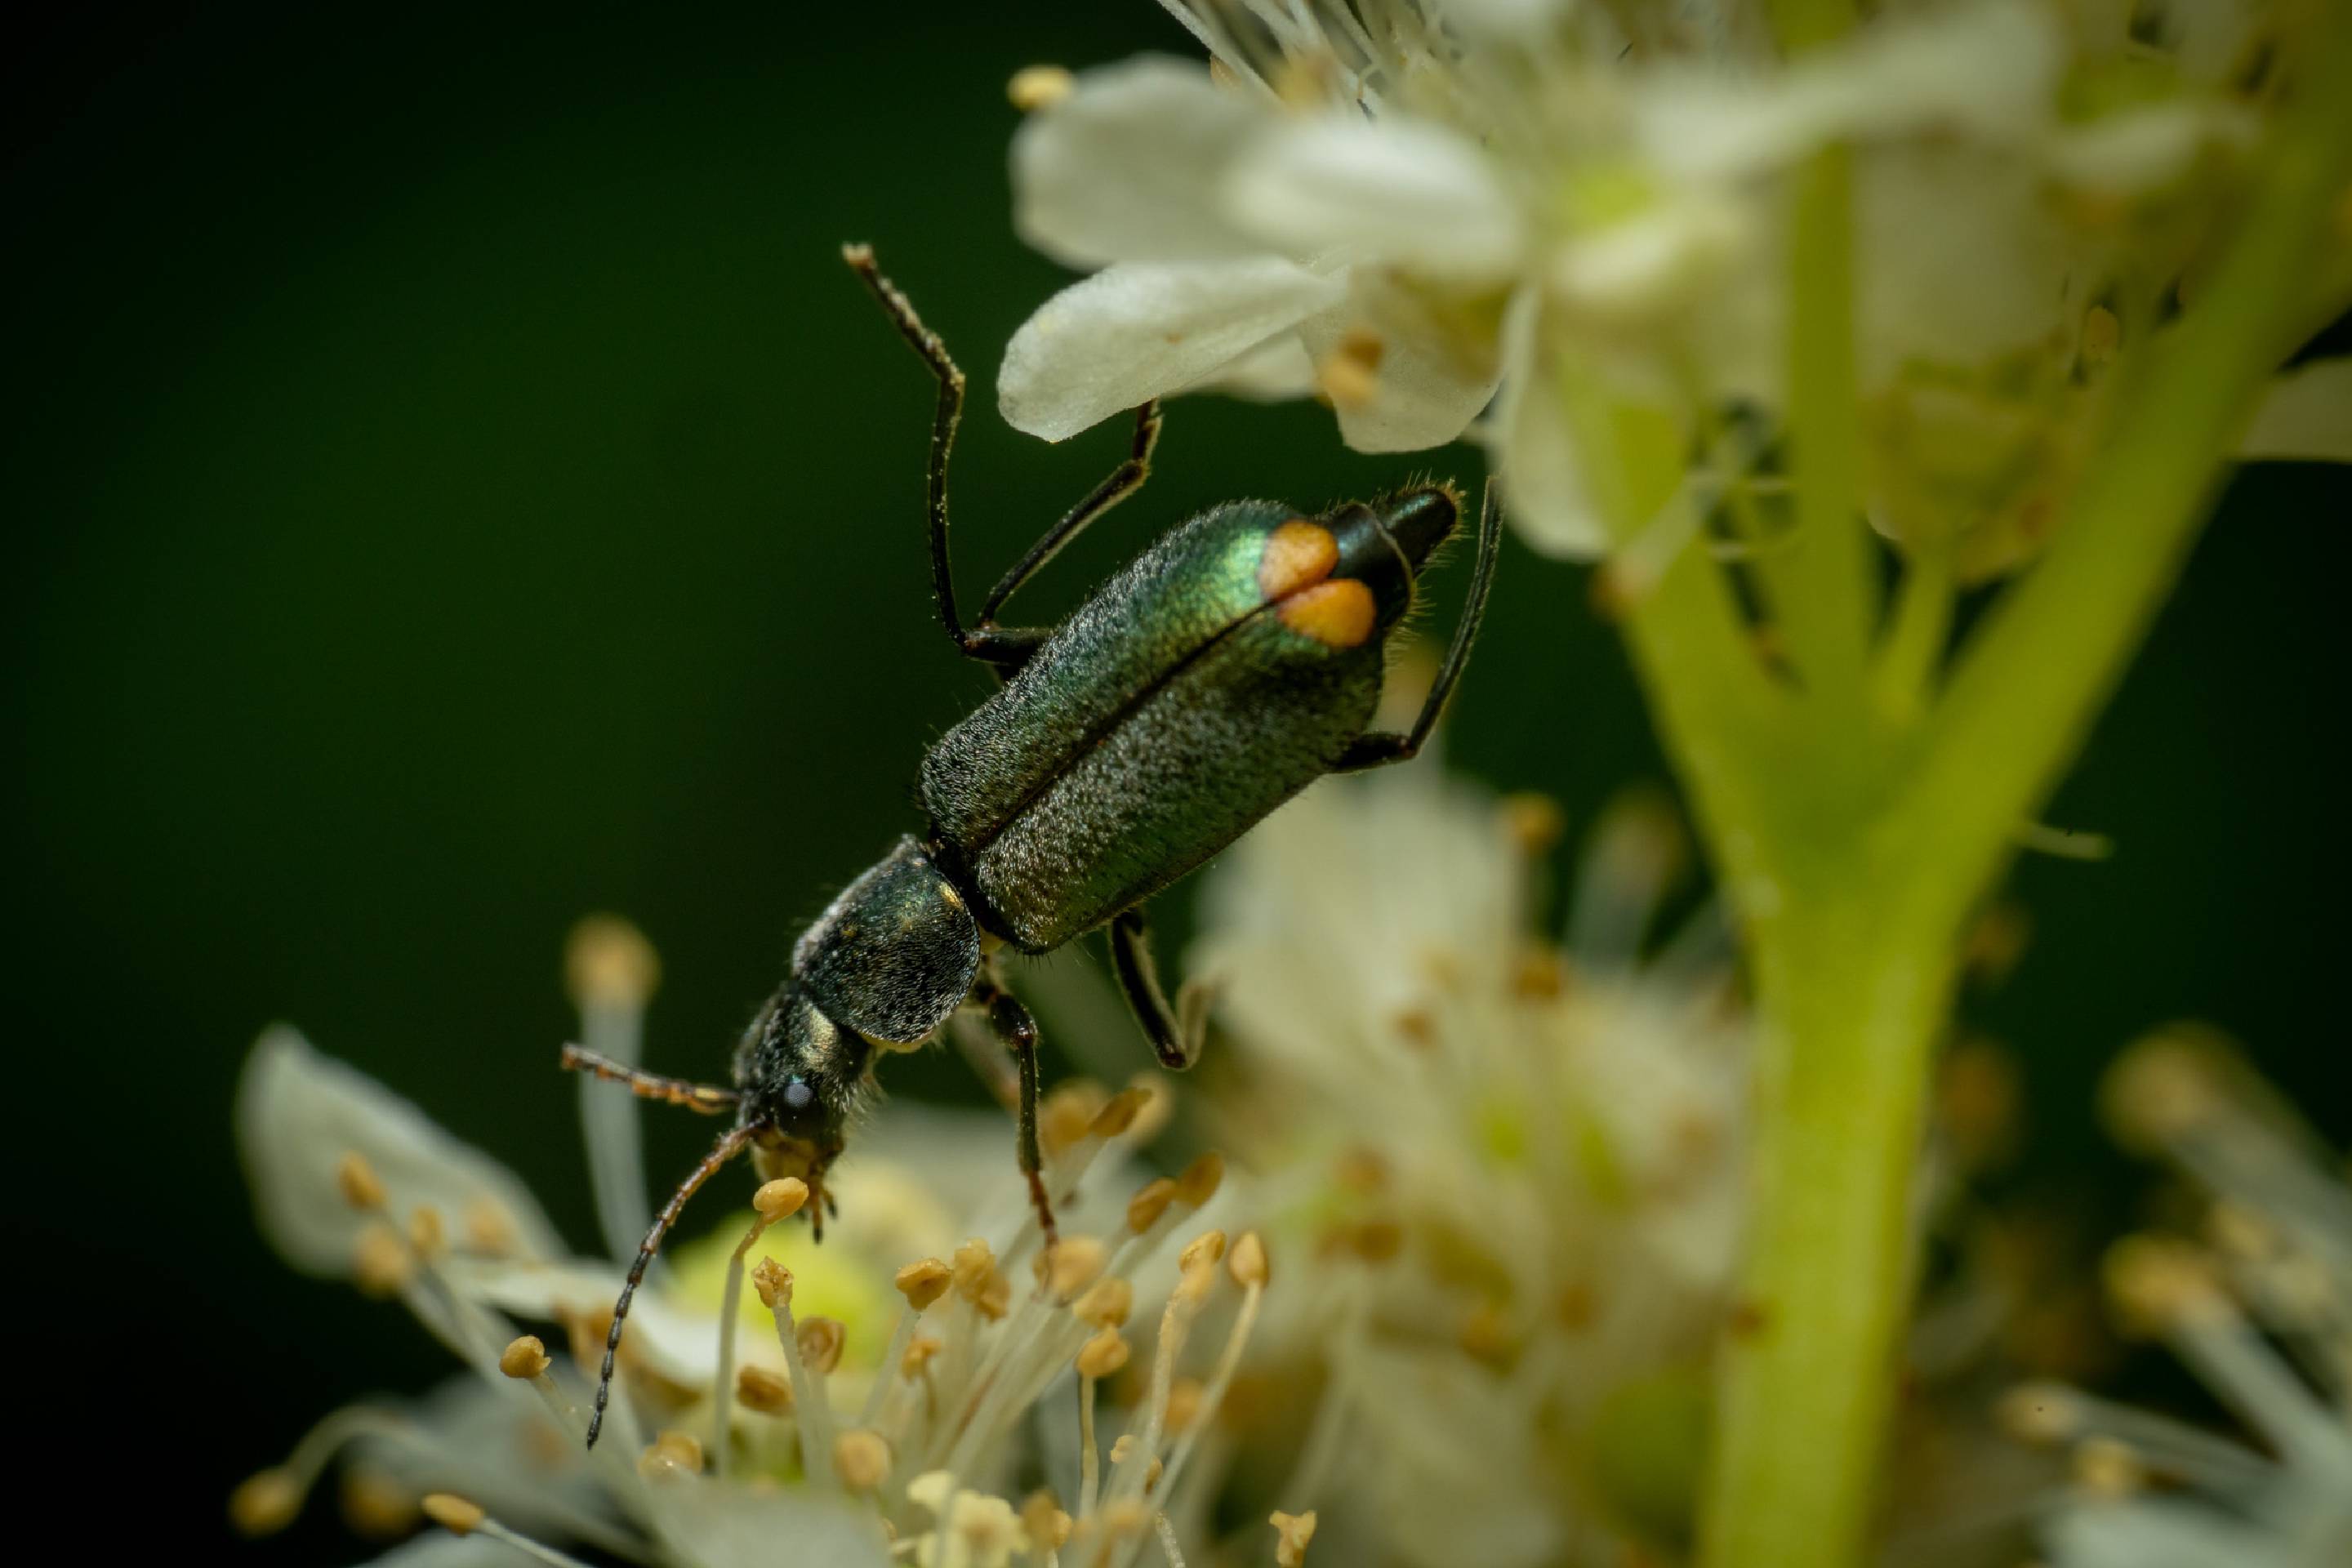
[1383, 747]
[1176, 1032]
[1014, 1025]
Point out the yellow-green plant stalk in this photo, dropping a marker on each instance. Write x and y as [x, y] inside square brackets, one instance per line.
[1724, 287]
[1859, 820]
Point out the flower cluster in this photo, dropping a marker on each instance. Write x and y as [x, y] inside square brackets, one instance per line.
[1516, 1166]
[2259, 1306]
[1407, 207]
[869, 1400]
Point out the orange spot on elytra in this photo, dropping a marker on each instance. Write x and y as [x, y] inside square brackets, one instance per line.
[1297, 555]
[1339, 612]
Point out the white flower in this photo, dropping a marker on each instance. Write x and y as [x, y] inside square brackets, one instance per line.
[2260, 1307]
[1407, 205]
[1517, 1166]
[888, 1395]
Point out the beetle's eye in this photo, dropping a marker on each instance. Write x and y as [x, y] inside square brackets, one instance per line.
[797, 1095]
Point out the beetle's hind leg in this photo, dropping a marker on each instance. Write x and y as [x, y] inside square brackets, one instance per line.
[1120, 483]
[1176, 1032]
[1013, 1024]
[1386, 746]
[1004, 648]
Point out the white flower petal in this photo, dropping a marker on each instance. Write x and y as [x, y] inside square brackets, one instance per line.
[1276, 371]
[1431, 380]
[1127, 168]
[441, 1550]
[1535, 455]
[1411, 193]
[721, 1526]
[1989, 70]
[1138, 329]
[1658, 262]
[1960, 259]
[2149, 149]
[2304, 417]
[299, 1113]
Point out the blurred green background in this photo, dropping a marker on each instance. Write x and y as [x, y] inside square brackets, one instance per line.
[456, 487]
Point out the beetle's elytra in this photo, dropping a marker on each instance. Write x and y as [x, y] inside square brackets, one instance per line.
[1232, 663]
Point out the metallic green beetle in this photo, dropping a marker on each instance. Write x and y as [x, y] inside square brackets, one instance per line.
[1231, 665]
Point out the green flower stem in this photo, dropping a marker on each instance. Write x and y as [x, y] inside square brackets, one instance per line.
[1854, 848]
[1827, 589]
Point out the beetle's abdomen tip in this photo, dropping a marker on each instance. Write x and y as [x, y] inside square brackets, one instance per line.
[1420, 519]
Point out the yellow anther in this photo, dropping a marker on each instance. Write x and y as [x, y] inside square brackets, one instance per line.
[451, 1512]
[2162, 1284]
[1105, 1304]
[674, 1453]
[924, 1282]
[1247, 1263]
[1033, 88]
[524, 1358]
[357, 1181]
[995, 1298]
[1047, 1526]
[1534, 823]
[1203, 1251]
[2041, 1413]
[1149, 1201]
[425, 1231]
[821, 1340]
[1118, 1112]
[1201, 1179]
[974, 1263]
[773, 1281]
[265, 1502]
[919, 1351]
[381, 1261]
[1292, 1533]
[2108, 1470]
[608, 962]
[1068, 1113]
[769, 1392]
[781, 1199]
[377, 1505]
[488, 1228]
[1102, 1355]
[1072, 1265]
[862, 1459]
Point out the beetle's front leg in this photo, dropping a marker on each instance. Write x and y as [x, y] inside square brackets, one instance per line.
[1014, 1025]
[1177, 1033]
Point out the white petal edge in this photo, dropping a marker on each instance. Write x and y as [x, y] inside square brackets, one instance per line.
[1138, 329]
[1535, 453]
[2304, 417]
[1989, 70]
[1417, 197]
[299, 1113]
[1128, 167]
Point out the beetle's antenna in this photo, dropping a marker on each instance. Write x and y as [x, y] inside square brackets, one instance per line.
[644, 1085]
[729, 1147]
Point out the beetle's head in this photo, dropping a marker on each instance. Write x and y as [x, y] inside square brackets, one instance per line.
[800, 1075]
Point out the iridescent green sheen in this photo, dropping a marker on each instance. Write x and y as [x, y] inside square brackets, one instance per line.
[1174, 710]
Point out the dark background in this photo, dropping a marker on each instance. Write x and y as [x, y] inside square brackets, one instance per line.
[456, 487]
